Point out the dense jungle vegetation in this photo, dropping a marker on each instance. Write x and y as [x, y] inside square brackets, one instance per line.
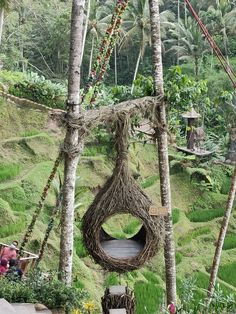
[34, 54]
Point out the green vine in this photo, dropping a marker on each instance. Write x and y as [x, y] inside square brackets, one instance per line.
[107, 45]
[40, 204]
[96, 76]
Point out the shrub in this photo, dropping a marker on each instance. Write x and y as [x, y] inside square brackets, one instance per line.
[230, 242]
[38, 89]
[36, 288]
[149, 181]
[8, 171]
[10, 78]
[205, 215]
[193, 234]
[175, 215]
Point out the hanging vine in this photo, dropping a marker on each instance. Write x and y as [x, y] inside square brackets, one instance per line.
[96, 76]
[107, 45]
[40, 203]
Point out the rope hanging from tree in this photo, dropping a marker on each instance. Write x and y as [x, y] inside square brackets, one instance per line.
[121, 195]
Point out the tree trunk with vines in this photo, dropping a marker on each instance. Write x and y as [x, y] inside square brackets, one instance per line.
[73, 144]
[221, 238]
[161, 134]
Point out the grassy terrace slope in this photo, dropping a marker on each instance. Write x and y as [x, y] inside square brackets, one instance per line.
[27, 150]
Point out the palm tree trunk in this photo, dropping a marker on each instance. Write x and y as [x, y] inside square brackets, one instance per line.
[221, 238]
[136, 69]
[115, 56]
[161, 133]
[178, 19]
[91, 57]
[72, 142]
[1, 23]
[196, 65]
[185, 13]
[85, 28]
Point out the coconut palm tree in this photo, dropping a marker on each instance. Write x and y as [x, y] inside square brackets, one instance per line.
[161, 134]
[4, 5]
[99, 17]
[222, 20]
[136, 26]
[188, 43]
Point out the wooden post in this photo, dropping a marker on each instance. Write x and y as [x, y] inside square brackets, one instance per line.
[190, 138]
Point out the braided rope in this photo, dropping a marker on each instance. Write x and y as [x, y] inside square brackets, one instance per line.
[40, 203]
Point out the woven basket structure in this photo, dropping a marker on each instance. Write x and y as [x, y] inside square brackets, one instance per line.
[125, 300]
[121, 194]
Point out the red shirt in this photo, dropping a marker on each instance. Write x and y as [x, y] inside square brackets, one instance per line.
[8, 253]
[3, 269]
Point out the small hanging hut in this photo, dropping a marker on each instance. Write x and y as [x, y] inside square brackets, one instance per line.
[121, 194]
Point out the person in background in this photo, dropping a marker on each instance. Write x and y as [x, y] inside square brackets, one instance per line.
[9, 252]
[14, 272]
[3, 266]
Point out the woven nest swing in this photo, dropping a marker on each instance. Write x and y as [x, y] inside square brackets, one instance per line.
[121, 195]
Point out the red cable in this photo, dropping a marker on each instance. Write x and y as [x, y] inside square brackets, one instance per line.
[228, 69]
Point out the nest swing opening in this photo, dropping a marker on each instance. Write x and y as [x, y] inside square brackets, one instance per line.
[124, 241]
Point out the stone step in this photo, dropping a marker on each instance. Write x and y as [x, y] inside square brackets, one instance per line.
[24, 308]
[6, 308]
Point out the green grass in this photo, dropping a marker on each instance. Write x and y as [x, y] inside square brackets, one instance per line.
[151, 277]
[178, 258]
[193, 234]
[149, 181]
[202, 281]
[230, 242]
[30, 133]
[132, 228]
[12, 229]
[175, 215]
[111, 280]
[148, 296]
[16, 197]
[205, 215]
[9, 171]
[80, 248]
[122, 226]
[228, 274]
